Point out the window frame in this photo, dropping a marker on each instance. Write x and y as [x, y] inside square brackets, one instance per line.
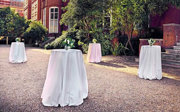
[54, 20]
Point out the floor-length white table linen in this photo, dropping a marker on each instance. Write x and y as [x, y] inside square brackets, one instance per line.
[66, 80]
[17, 53]
[150, 66]
[94, 52]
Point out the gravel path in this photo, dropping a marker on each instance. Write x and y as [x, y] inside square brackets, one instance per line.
[110, 89]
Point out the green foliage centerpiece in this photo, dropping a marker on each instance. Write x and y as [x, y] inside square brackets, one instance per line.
[18, 39]
[94, 40]
[151, 41]
[68, 43]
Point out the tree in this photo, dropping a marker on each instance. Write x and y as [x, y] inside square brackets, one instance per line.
[6, 21]
[128, 15]
[87, 18]
[84, 14]
[11, 24]
[35, 32]
[20, 25]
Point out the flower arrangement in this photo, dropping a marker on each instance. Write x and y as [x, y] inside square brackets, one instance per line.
[68, 43]
[18, 39]
[151, 41]
[94, 40]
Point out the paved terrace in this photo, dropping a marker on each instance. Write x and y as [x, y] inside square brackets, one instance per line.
[113, 86]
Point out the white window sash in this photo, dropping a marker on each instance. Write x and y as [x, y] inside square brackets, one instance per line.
[53, 23]
[44, 16]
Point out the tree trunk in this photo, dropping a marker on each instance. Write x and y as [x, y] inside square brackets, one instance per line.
[86, 27]
[7, 40]
[129, 40]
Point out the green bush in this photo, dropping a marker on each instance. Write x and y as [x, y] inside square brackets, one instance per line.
[35, 32]
[83, 46]
[135, 43]
[48, 46]
[57, 43]
[80, 37]
[104, 39]
[11, 24]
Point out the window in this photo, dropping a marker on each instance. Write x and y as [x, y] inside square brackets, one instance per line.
[44, 16]
[53, 17]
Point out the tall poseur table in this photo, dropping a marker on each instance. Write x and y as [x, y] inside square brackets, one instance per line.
[94, 52]
[150, 66]
[66, 79]
[17, 53]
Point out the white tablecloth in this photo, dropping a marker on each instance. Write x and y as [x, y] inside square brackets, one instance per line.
[150, 66]
[66, 80]
[17, 53]
[94, 52]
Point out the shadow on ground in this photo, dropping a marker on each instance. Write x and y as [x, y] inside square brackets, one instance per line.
[119, 62]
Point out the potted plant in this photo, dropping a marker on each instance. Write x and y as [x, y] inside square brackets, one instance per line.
[18, 39]
[68, 43]
[151, 41]
[94, 40]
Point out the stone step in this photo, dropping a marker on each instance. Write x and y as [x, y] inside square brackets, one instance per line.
[176, 47]
[170, 56]
[178, 44]
[173, 51]
[171, 62]
[47, 41]
[173, 66]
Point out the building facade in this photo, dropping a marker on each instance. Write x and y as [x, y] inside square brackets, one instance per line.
[169, 22]
[27, 9]
[48, 12]
[16, 5]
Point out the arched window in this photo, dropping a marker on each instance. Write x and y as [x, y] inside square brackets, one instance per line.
[53, 19]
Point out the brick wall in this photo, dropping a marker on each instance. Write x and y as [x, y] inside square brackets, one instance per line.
[17, 6]
[34, 10]
[171, 34]
[37, 12]
[172, 15]
[145, 42]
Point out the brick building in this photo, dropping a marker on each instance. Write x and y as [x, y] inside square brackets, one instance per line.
[48, 12]
[16, 5]
[169, 22]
